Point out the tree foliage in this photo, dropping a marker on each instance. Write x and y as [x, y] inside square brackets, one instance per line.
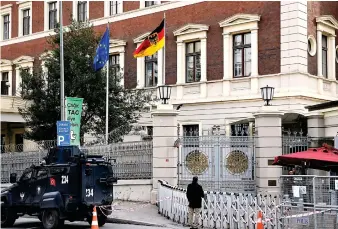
[42, 89]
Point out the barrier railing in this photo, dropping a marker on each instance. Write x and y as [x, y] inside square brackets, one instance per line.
[219, 210]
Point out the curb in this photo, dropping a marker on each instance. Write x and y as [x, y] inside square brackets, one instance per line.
[132, 222]
[116, 221]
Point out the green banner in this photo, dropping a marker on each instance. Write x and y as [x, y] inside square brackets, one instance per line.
[73, 114]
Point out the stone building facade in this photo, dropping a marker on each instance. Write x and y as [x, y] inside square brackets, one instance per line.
[218, 56]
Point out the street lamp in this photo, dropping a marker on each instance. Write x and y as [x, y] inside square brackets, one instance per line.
[267, 94]
[164, 91]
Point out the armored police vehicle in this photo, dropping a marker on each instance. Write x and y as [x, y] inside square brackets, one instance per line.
[66, 187]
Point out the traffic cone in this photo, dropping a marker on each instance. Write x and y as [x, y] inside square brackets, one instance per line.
[259, 224]
[95, 223]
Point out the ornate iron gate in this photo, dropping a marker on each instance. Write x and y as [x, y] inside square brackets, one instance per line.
[222, 163]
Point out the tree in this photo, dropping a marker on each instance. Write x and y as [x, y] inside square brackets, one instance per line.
[42, 89]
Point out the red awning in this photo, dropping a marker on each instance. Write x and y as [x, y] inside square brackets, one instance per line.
[323, 158]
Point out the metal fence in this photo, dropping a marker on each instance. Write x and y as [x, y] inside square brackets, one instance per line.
[222, 163]
[133, 159]
[310, 201]
[220, 210]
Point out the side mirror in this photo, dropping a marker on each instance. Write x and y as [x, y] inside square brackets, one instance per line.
[12, 178]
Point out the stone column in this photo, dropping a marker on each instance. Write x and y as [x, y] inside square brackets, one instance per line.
[268, 124]
[164, 153]
[316, 130]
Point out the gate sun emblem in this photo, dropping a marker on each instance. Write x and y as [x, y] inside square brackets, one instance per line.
[237, 162]
[196, 162]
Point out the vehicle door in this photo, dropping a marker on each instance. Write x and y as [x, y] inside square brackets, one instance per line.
[21, 195]
[39, 184]
[88, 183]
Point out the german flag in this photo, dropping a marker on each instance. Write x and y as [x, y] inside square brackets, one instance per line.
[153, 43]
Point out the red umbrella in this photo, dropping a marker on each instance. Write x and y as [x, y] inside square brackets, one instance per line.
[323, 158]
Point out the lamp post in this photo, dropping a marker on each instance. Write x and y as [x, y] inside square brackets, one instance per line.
[164, 92]
[267, 94]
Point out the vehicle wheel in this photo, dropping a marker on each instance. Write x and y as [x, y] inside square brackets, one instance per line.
[51, 219]
[102, 220]
[8, 217]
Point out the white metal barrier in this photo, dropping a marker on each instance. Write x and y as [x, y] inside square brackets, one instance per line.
[219, 210]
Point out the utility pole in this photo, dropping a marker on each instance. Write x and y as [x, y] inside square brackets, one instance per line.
[62, 77]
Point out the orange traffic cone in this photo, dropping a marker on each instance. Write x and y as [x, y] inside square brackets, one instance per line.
[95, 223]
[259, 224]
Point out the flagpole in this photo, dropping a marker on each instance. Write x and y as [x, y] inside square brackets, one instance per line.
[62, 78]
[107, 94]
[165, 41]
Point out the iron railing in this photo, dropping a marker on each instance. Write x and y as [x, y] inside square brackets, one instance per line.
[219, 210]
[133, 160]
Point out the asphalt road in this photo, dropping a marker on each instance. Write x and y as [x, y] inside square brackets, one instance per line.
[30, 223]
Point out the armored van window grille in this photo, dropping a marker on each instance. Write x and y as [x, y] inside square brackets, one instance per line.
[26, 21]
[242, 55]
[6, 27]
[4, 83]
[151, 69]
[82, 11]
[193, 61]
[113, 7]
[52, 15]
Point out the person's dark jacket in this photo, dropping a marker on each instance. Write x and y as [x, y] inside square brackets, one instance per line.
[195, 194]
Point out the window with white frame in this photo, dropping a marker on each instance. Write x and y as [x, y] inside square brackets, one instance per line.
[82, 11]
[324, 55]
[26, 22]
[6, 25]
[240, 45]
[52, 15]
[144, 4]
[25, 18]
[22, 63]
[326, 43]
[148, 74]
[5, 20]
[6, 77]
[242, 55]
[114, 64]
[149, 3]
[193, 61]
[191, 53]
[112, 8]
[5, 83]
[116, 57]
[151, 71]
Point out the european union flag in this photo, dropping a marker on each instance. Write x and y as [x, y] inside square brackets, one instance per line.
[102, 52]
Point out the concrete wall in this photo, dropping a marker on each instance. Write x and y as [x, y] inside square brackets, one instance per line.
[133, 190]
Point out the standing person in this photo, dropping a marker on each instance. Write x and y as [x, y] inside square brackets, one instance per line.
[195, 194]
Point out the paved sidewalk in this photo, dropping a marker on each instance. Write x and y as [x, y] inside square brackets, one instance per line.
[139, 213]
